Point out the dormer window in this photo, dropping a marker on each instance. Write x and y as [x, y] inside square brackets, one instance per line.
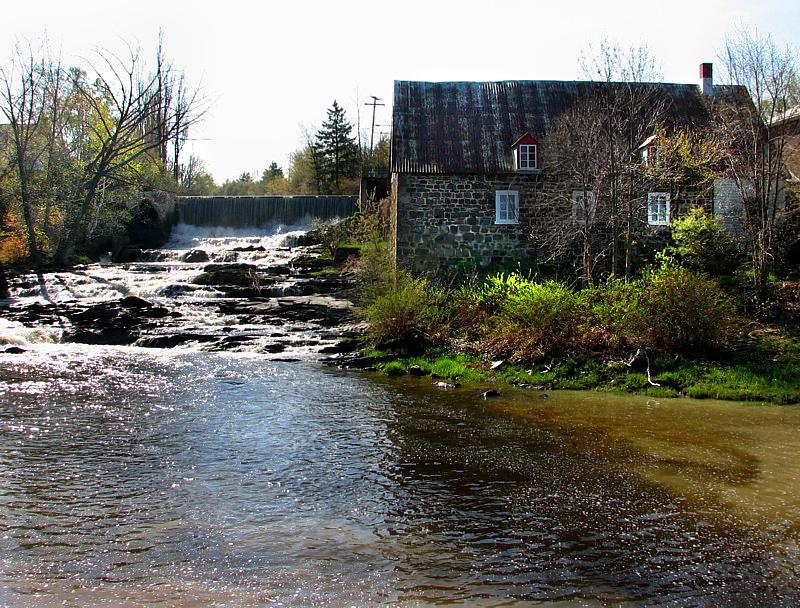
[528, 157]
[526, 153]
[652, 154]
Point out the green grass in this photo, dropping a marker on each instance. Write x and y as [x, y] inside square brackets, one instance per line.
[772, 382]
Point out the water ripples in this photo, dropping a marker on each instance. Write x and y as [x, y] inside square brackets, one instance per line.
[141, 478]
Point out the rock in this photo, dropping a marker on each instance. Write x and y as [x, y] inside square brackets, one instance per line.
[275, 347]
[110, 336]
[4, 291]
[194, 256]
[169, 341]
[343, 346]
[544, 397]
[247, 248]
[229, 268]
[491, 394]
[128, 255]
[135, 302]
[416, 370]
[14, 350]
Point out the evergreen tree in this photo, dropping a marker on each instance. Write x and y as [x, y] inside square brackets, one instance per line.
[339, 152]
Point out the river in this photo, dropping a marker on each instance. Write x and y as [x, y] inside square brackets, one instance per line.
[180, 477]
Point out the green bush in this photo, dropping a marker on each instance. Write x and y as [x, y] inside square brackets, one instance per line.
[701, 245]
[395, 314]
[681, 310]
[536, 320]
[478, 302]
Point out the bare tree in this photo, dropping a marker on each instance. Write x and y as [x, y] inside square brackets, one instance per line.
[128, 121]
[633, 109]
[573, 216]
[753, 139]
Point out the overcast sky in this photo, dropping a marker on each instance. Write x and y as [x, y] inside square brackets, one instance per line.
[272, 69]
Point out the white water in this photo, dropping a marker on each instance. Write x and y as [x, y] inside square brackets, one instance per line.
[165, 280]
[165, 276]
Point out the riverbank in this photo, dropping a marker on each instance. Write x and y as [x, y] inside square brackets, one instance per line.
[766, 381]
[671, 333]
[761, 365]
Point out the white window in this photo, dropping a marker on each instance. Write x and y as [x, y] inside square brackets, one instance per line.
[584, 206]
[506, 204]
[658, 208]
[528, 156]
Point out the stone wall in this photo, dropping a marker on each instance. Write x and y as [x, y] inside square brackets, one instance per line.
[445, 223]
[441, 222]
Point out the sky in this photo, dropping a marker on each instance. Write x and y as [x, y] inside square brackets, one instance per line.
[270, 70]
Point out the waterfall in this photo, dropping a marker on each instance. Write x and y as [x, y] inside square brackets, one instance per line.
[257, 211]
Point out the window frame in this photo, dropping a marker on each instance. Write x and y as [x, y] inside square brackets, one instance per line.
[526, 150]
[655, 200]
[577, 208]
[507, 212]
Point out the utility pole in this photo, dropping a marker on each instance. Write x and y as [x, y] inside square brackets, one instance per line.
[374, 103]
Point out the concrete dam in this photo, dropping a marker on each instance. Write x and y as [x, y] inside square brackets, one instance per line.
[258, 211]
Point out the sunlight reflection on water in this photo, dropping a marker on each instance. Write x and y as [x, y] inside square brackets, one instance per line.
[141, 477]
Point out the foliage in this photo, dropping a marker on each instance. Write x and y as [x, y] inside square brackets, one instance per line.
[13, 248]
[690, 156]
[681, 310]
[339, 158]
[400, 313]
[400, 309]
[379, 155]
[671, 308]
[81, 147]
[701, 245]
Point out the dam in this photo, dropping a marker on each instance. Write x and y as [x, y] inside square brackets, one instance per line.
[258, 211]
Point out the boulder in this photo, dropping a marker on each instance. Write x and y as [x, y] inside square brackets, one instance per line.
[134, 302]
[195, 256]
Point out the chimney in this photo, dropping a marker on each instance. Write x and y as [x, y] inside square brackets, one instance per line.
[707, 79]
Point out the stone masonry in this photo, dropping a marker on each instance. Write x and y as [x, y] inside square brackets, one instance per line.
[442, 221]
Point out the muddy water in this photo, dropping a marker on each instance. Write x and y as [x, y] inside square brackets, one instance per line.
[140, 477]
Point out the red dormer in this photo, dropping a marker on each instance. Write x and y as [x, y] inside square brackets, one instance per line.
[526, 153]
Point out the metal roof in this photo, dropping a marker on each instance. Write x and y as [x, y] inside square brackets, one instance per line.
[469, 127]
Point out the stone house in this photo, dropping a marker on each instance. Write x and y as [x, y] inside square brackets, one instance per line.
[470, 177]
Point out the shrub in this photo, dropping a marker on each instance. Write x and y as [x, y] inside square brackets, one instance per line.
[402, 310]
[478, 302]
[681, 310]
[536, 320]
[701, 245]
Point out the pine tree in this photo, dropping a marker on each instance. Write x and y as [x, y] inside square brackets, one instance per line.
[340, 155]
